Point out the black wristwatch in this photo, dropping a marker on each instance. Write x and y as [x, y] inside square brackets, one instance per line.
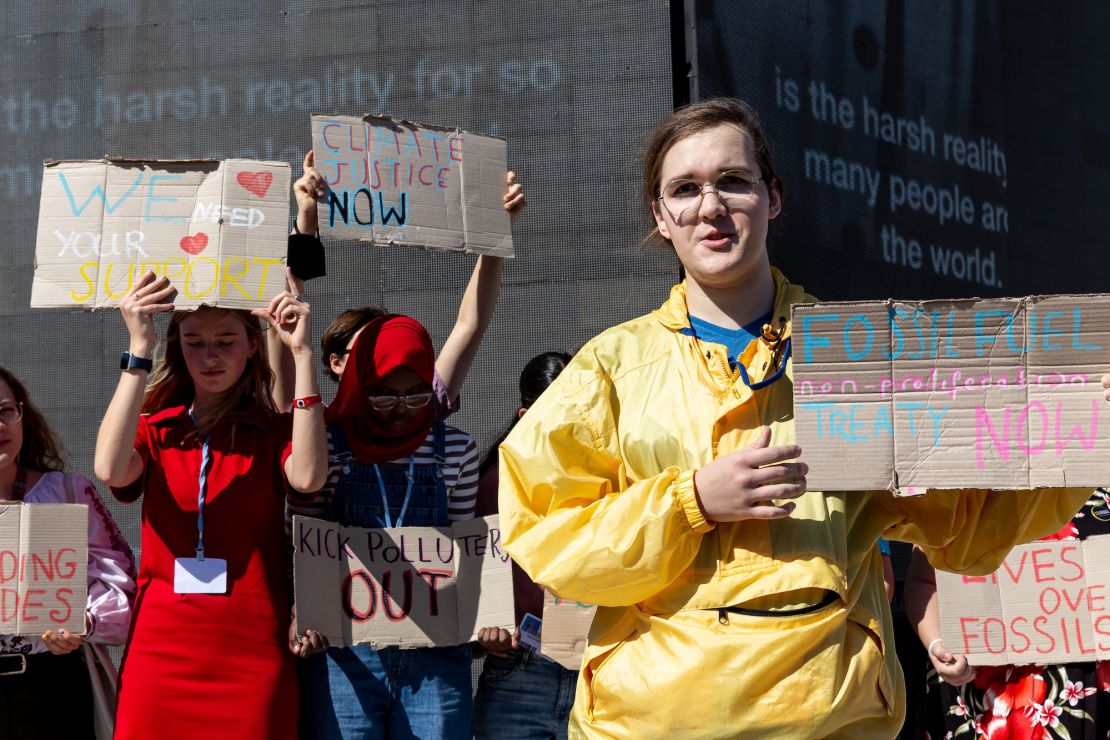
[129, 361]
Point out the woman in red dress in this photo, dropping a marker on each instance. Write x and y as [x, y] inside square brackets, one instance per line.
[213, 460]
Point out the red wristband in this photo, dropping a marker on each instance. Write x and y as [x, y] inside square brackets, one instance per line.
[306, 402]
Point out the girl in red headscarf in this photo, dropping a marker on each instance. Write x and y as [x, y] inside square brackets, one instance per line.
[392, 464]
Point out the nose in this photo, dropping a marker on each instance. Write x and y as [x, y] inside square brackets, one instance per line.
[711, 205]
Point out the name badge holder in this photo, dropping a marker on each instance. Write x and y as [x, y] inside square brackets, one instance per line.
[200, 575]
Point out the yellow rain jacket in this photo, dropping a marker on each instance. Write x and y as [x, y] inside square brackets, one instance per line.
[597, 503]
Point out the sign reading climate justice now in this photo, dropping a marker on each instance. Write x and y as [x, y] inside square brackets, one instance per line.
[43, 567]
[1048, 603]
[1000, 393]
[217, 230]
[397, 182]
[407, 586]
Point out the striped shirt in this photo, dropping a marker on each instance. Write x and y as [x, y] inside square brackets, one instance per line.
[460, 474]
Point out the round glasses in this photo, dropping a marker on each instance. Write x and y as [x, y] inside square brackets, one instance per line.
[682, 198]
[411, 401]
[10, 414]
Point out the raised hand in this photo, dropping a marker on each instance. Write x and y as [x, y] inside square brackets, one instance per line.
[310, 187]
[288, 315]
[514, 197]
[745, 483]
[149, 295]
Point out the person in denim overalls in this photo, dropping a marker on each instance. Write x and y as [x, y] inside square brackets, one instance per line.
[377, 425]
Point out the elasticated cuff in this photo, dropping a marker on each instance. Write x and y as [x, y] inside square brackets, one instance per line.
[687, 500]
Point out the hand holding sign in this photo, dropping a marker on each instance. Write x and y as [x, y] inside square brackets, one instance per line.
[514, 197]
[288, 315]
[743, 485]
[60, 642]
[498, 640]
[309, 188]
[954, 669]
[150, 295]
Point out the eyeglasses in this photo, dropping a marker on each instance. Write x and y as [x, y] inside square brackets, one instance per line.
[682, 198]
[412, 401]
[11, 414]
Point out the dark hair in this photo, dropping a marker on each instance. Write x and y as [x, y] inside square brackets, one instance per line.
[41, 449]
[340, 332]
[695, 118]
[537, 375]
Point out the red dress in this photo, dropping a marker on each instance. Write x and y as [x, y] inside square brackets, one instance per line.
[206, 665]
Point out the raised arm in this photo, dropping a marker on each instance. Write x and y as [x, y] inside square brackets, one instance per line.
[116, 461]
[477, 305]
[289, 319]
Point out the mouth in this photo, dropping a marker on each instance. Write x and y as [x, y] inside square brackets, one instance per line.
[211, 373]
[717, 239]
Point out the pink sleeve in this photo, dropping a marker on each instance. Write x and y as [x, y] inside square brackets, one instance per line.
[111, 570]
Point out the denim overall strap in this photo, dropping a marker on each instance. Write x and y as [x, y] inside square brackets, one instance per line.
[340, 458]
[439, 451]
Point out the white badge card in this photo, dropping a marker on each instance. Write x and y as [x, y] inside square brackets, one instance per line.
[531, 628]
[200, 576]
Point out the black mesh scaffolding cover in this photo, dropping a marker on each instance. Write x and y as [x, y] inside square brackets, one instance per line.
[573, 87]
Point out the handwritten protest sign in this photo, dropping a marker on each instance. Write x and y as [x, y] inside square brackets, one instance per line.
[407, 586]
[1000, 393]
[566, 625]
[218, 230]
[1048, 603]
[397, 182]
[43, 567]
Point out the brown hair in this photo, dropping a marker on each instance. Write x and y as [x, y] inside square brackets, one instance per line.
[171, 384]
[340, 331]
[41, 450]
[695, 118]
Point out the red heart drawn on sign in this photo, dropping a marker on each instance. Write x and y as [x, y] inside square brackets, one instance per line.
[194, 244]
[256, 182]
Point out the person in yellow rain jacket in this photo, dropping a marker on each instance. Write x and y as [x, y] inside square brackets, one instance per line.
[659, 479]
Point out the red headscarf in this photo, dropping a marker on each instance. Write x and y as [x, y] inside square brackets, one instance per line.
[385, 344]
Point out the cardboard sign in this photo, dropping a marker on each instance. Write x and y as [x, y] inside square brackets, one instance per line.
[1048, 603]
[44, 554]
[566, 625]
[218, 230]
[407, 586]
[396, 182]
[1000, 393]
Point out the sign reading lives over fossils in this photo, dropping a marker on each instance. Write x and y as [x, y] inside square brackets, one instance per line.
[397, 182]
[43, 567]
[217, 230]
[406, 586]
[1000, 393]
[1048, 603]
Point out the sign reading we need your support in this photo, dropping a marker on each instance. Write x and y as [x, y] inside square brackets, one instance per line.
[1048, 603]
[999, 393]
[217, 230]
[406, 586]
[396, 182]
[43, 567]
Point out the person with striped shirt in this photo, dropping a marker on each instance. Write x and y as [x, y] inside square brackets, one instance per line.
[393, 463]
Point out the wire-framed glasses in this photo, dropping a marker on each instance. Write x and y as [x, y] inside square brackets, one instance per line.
[412, 401]
[682, 198]
[11, 413]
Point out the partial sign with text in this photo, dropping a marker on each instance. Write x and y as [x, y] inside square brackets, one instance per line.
[406, 586]
[999, 393]
[43, 567]
[217, 230]
[1048, 603]
[397, 182]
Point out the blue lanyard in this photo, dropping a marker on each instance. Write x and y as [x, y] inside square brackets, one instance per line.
[202, 490]
[385, 501]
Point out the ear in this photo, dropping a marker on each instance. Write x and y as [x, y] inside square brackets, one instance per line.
[520, 413]
[337, 363]
[774, 200]
[660, 221]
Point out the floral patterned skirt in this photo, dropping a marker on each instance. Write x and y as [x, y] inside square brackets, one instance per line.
[1028, 702]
